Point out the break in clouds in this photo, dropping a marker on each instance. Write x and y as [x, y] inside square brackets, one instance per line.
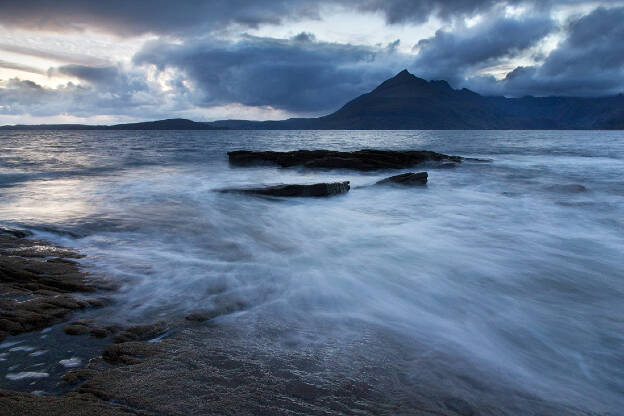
[199, 56]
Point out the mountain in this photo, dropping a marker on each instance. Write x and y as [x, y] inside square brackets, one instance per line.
[411, 103]
[408, 102]
[169, 124]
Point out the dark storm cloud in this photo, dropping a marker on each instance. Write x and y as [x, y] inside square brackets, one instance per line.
[296, 75]
[177, 17]
[453, 55]
[397, 11]
[93, 74]
[157, 16]
[589, 62]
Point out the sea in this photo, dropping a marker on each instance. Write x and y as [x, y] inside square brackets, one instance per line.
[514, 263]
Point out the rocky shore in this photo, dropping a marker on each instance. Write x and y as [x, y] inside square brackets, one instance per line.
[201, 365]
[41, 284]
[209, 368]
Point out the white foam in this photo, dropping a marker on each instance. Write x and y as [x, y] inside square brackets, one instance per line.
[25, 348]
[71, 362]
[26, 374]
[9, 344]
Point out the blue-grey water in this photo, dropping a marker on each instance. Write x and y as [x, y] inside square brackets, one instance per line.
[515, 265]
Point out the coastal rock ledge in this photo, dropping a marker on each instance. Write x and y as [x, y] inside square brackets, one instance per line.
[406, 179]
[366, 159]
[315, 190]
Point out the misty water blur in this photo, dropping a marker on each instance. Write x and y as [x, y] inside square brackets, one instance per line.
[515, 264]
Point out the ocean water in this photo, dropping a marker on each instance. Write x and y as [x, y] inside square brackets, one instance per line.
[515, 265]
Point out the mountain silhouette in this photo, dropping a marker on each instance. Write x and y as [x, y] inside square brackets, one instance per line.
[406, 102]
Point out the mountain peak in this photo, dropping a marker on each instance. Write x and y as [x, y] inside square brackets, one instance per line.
[405, 84]
[404, 76]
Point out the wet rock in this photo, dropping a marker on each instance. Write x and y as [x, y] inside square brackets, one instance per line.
[20, 404]
[140, 332]
[42, 285]
[83, 327]
[15, 232]
[218, 369]
[96, 302]
[77, 376]
[99, 332]
[406, 179]
[10, 326]
[74, 329]
[198, 317]
[128, 353]
[303, 390]
[367, 159]
[315, 190]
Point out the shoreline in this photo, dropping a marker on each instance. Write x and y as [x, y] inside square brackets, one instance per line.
[198, 365]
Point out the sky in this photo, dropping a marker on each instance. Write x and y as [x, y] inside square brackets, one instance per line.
[116, 61]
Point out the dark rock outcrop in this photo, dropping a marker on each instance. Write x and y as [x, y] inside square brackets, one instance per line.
[315, 190]
[367, 159]
[406, 179]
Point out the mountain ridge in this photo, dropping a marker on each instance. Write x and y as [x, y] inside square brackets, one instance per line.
[165, 124]
[407, 102]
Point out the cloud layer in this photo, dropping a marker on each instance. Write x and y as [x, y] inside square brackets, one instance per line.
[299, 75]
[167, 17]
[590, 61]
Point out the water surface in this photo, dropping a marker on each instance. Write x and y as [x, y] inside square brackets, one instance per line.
[514, 265]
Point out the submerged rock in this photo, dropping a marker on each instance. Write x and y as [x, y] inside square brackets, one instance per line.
[75, 329]
[15, 232]
[449, 165]
[406, 179]
[315, 190]
[367, 159]
[572, 188]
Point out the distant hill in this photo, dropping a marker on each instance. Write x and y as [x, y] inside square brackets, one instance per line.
[406, 102]
[169, 124]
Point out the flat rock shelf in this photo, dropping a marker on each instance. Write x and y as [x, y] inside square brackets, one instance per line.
[363, 160]
[296, 190]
